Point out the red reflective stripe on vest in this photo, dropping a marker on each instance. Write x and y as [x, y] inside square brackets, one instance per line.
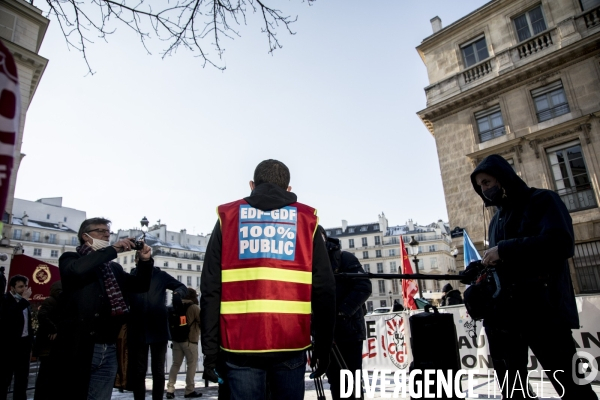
[270, 290]
[250, 332]
[266, 331]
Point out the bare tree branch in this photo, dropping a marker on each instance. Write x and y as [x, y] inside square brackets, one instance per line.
[181, 23]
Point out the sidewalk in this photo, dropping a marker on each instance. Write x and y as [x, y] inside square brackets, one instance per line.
[483, 390]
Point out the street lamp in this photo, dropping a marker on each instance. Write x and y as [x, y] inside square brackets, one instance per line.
[391, 305]
[414, 244]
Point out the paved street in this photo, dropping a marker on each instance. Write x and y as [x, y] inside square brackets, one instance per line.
[483, 390]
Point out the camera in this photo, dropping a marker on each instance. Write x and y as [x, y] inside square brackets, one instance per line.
[138, 245]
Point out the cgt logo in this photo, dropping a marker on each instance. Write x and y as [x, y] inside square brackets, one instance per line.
[584, 368]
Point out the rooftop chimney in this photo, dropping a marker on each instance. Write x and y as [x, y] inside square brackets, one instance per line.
[25, 219]
[436, 24]
[344, 225]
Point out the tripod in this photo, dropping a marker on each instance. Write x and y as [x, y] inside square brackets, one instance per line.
[339, 359]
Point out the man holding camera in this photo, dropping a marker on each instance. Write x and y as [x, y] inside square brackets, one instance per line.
[264, 271]
[530, 238]
[94, 309]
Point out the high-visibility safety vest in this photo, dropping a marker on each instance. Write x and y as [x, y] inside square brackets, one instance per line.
[266, 277]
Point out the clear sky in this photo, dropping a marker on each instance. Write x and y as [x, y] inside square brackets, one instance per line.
[170, 140]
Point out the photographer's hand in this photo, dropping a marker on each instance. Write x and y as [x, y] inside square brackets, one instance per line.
[123, 245]
[145, 253]
[491, 256]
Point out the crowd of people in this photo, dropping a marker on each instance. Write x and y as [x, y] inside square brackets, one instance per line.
[265, 302]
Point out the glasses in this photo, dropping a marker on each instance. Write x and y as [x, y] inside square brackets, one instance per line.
[100, 231]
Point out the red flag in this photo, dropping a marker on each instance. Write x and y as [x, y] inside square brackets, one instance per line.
[409, 286]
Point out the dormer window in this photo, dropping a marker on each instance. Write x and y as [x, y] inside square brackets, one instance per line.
[363, 228]
[351, 230]
[475, 51]
[338, 231]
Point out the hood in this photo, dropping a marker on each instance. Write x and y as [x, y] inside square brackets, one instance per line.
[269, 197]
[500, 169]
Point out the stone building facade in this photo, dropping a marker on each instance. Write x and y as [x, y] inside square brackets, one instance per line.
[22, 30]
[520, 78]
[377, 247]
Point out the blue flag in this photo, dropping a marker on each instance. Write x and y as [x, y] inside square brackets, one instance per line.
[470, 252]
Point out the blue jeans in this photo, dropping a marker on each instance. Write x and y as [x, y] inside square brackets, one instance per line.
[104, 371]
[285, 379]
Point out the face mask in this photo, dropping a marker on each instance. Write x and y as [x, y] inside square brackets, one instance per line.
[18, 296]
[97, 244]
[494, 194]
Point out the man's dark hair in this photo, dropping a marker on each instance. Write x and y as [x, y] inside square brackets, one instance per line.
[272, 171]
[17, 278]
[85, 226]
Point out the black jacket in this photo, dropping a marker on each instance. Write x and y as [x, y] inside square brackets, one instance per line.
[452, 298]
[12, 319]
[534, 234]
[148, 320]
[48, 317]
[267, 197]
[85, 313]
[350, 295]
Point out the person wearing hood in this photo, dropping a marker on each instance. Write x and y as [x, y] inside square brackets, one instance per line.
[148, 331]
[451, 296]
[265, 270]
[530, 240]
[94, 307]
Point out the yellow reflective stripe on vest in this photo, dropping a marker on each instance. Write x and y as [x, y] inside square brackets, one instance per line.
[265, 306]
[265, 273]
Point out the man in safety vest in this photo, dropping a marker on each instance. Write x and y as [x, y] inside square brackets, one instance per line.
[265, 271]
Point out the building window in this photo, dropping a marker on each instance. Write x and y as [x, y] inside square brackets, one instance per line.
[198, 268]
[179, 266]
[189, 281]
[65, 219]
[179, 278]
[172, 237]
[124, 260]
[475, 51]
[382, 303]
[550, 101]
[381, 284]
[351, 243]
[37, 252]
[133, 258]
[587, 266]
[52, 238]
[530, 23]
[338, 231]
[351, 230]
[376, 227]
[166, 264]
[197, 281]
[74, 241]
[395, 286]
[363, 228]
[571, 177]
[391, 252]
[17, 234]
[490, 123]
[364, 241]
[393, 267]
[589, 4]
[36, 236]
[377, 253]
[377, 240]
[365, 254]
[380, 268]
[189, 267]
[369, 306]
[367, 268]
[433, 262]
[54, 253]
[432, 247]
[47, 216]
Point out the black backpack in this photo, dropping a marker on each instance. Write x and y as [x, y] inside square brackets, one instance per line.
[178, 324]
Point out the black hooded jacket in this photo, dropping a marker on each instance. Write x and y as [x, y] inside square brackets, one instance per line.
[534, 234]
[267, 197]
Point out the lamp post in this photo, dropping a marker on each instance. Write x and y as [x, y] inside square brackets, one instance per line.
[414, 244]
[391, 304]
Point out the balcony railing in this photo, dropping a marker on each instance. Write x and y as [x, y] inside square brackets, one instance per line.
[578, 198]
[535, 44]
[58, 242]
[478, 71]
[592, 17]
[491, 134]
[553, 112]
